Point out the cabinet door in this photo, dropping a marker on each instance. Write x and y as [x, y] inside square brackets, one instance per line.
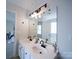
[27, 55]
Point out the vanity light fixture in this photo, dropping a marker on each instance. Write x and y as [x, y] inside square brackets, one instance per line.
[38, 13]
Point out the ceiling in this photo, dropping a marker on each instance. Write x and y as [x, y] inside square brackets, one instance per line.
[32, 5]
[28, 4]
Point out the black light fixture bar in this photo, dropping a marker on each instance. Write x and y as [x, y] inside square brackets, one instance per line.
[39, 9]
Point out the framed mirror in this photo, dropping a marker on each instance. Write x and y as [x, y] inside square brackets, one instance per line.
[47, 26]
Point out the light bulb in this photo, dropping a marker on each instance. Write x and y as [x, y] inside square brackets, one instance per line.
[32, 15]
[35, 13]
[39, 16]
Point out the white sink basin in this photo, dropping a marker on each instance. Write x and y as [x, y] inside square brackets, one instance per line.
[44, 53]
[39, 52]
[51, 51]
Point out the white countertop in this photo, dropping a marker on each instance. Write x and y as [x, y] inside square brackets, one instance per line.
[35, 49]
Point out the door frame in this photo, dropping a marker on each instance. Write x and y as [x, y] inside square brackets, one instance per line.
[15, 42]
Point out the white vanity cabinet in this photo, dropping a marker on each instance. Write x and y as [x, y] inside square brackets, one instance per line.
[23, 53]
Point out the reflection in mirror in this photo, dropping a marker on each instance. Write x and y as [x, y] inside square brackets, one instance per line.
[39, 29]
[47, 26]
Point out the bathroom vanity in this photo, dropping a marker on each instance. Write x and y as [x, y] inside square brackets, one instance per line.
[31, 50]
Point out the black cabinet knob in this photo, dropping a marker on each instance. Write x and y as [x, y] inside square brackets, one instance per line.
[40, 52]
[26, 53]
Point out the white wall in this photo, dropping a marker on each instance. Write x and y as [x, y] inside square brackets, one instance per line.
[65, 27]
[20, 17]
[32, 27]
[21, 30]
[23, 25]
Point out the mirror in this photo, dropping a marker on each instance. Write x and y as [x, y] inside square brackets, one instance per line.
[47, 25]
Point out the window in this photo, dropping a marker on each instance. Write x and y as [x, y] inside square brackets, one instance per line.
[38, 29]
[53, 27]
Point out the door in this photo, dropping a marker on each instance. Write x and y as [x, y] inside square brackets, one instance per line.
[10, 34]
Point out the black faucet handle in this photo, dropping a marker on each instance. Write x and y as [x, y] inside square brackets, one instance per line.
[41, 42]
[46, 41]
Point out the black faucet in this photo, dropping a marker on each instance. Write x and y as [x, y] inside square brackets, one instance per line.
[46, 41]
[42, 44]
[37, 40]
[30, 38]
